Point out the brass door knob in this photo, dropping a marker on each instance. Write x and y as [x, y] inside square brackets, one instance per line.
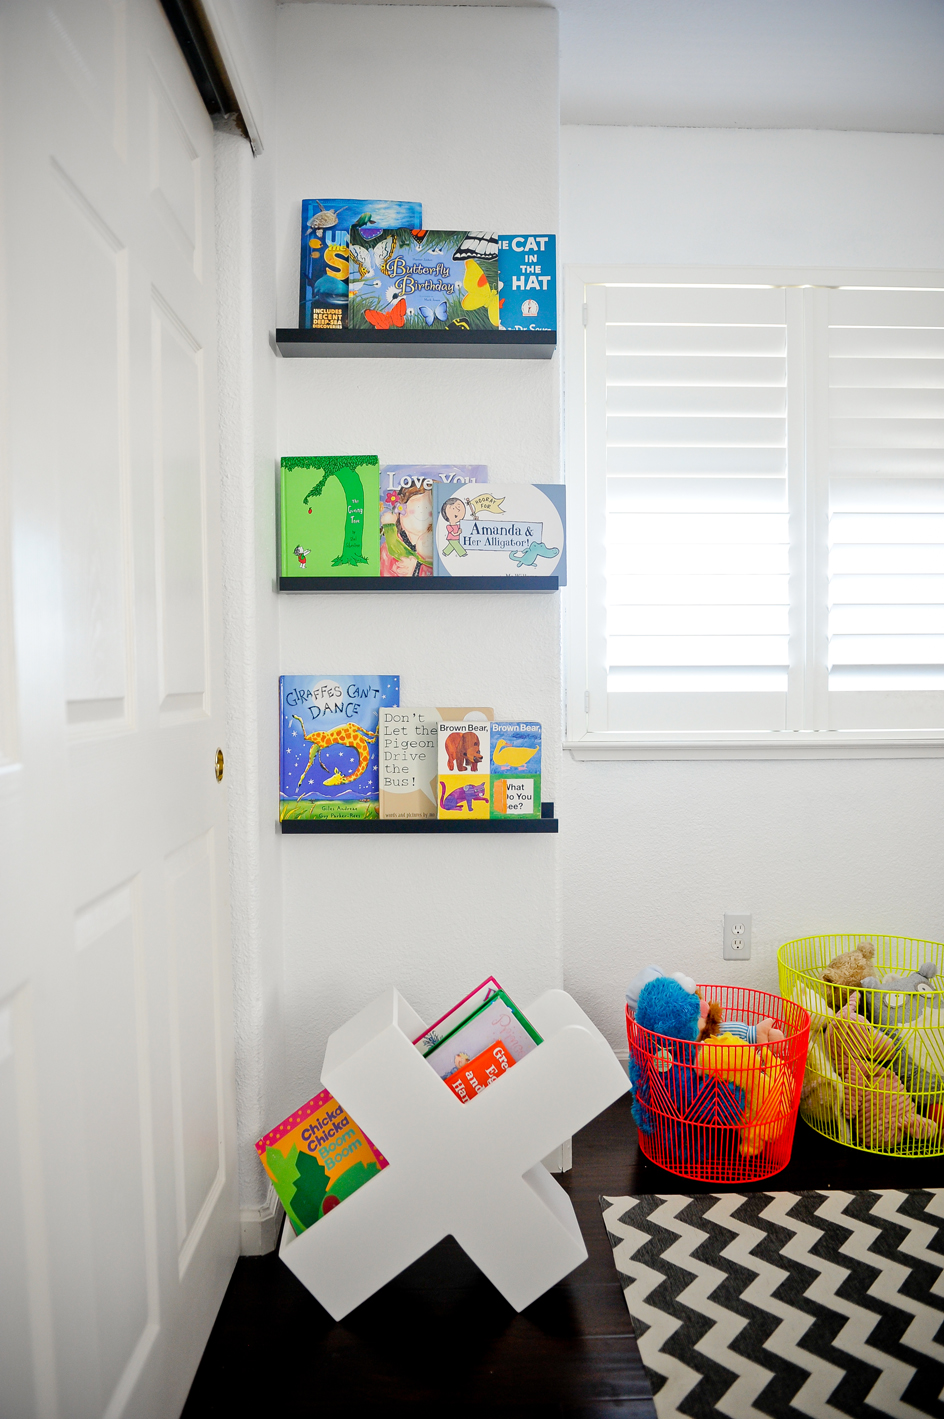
[219, 765]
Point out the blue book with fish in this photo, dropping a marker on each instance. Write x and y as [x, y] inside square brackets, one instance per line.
[423, 280]
[527, 281]
[515, 789]
[323, 283]
[328, 755]
[506, 529]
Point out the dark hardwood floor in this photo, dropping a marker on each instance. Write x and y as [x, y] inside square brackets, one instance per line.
[440, 1340]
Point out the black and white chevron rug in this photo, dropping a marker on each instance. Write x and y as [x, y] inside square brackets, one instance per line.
[786, 1303]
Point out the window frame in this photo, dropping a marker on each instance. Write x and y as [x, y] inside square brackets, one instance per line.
[584, 387]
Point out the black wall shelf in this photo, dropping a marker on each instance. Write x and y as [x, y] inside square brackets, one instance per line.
[417, 344]
[547, 823]
[419, 583]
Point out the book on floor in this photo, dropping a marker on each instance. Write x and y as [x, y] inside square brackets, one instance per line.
[527, 281]
[316, 1158]
[326, 511]
[325, 252]
[506, 530]
[406, 512]
[468, 1005]
[515, 752]
[463, 777]
[474, 1075]
[498, 1020]
[328, 750]
[430, 281]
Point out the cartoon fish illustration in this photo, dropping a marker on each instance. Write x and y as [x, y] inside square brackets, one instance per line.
[510, 757]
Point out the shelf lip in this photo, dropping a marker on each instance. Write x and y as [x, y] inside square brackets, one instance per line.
[416, 825]
[419, 583]
[417, 344]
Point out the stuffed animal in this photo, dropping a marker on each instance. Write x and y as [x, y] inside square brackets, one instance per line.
[767, 1086]
[847, 971]
[878, 1100]
[761, 1034]
[903, 996]
[669, 1094]
[918, 1051]
[872, 1094]
[821, 1093]
[712, 1024]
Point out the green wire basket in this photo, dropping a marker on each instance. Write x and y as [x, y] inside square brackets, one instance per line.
[874, 1076]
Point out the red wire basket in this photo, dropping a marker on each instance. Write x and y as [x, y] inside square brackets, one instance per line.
[717, 1112]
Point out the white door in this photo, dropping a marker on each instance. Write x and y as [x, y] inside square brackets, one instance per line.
[118, 1214]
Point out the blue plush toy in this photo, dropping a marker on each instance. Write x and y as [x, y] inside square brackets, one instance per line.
[668, 1082]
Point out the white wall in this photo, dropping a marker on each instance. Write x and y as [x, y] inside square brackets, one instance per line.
[457, 107]
[654, 853]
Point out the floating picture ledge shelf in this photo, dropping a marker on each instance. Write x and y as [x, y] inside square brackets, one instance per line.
[547, 823]
[419, 583]
[418, 344]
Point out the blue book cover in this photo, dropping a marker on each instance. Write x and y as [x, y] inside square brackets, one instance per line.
[515, 767]
[504, 529]
[325, 254]
[527, 281]
[328, 755]
[423, 280]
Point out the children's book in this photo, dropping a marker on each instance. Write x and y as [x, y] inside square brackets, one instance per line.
[325, 260]
[407, 749]
[327, 530]
[510, 529]
[515, 769]
[423, 280]
[328, 758]
[527, 282]
[316, 1158]
[406, 512]
[475, 1075]
[498, 1020]
[463, 770]
[453, 1018]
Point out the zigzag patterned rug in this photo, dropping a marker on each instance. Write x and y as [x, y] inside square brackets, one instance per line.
[786, 1303]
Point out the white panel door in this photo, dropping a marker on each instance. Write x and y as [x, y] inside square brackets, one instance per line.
[118, 1213]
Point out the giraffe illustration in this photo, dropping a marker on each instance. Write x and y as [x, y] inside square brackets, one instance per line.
[350, 734]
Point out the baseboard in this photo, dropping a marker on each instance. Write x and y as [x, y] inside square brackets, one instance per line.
[259, 1226]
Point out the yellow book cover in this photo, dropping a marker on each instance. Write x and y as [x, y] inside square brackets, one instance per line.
[316, 1158]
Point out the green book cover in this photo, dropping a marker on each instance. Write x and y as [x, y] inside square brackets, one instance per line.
[329, 516]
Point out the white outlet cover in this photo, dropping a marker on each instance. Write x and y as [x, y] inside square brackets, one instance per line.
[737, 936]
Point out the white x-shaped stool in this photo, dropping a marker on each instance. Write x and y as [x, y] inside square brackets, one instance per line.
[471, 1171]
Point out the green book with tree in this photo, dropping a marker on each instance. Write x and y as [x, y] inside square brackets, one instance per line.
[329, 516]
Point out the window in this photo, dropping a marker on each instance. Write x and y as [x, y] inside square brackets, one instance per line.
[756, 507]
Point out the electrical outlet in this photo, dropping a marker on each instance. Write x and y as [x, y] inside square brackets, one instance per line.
[737, 936]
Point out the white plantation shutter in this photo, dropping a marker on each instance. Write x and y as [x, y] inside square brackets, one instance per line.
[759, 547]
[697, 539]
[886, 508]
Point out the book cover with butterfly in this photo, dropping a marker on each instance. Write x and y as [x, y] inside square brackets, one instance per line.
[329, 763]
[510, 529]
[527, 281]
[423, 280]
[325, 254]
[406, 512]
[327, 516]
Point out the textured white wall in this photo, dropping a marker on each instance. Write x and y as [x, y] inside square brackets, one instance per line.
[458, 107]
[652, 854]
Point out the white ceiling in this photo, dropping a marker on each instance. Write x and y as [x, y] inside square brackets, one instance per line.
[868, 64]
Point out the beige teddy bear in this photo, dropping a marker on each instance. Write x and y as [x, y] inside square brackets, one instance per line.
[846, 972]
[871, 1093]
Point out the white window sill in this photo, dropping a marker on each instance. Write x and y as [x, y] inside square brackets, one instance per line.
[785, 744]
